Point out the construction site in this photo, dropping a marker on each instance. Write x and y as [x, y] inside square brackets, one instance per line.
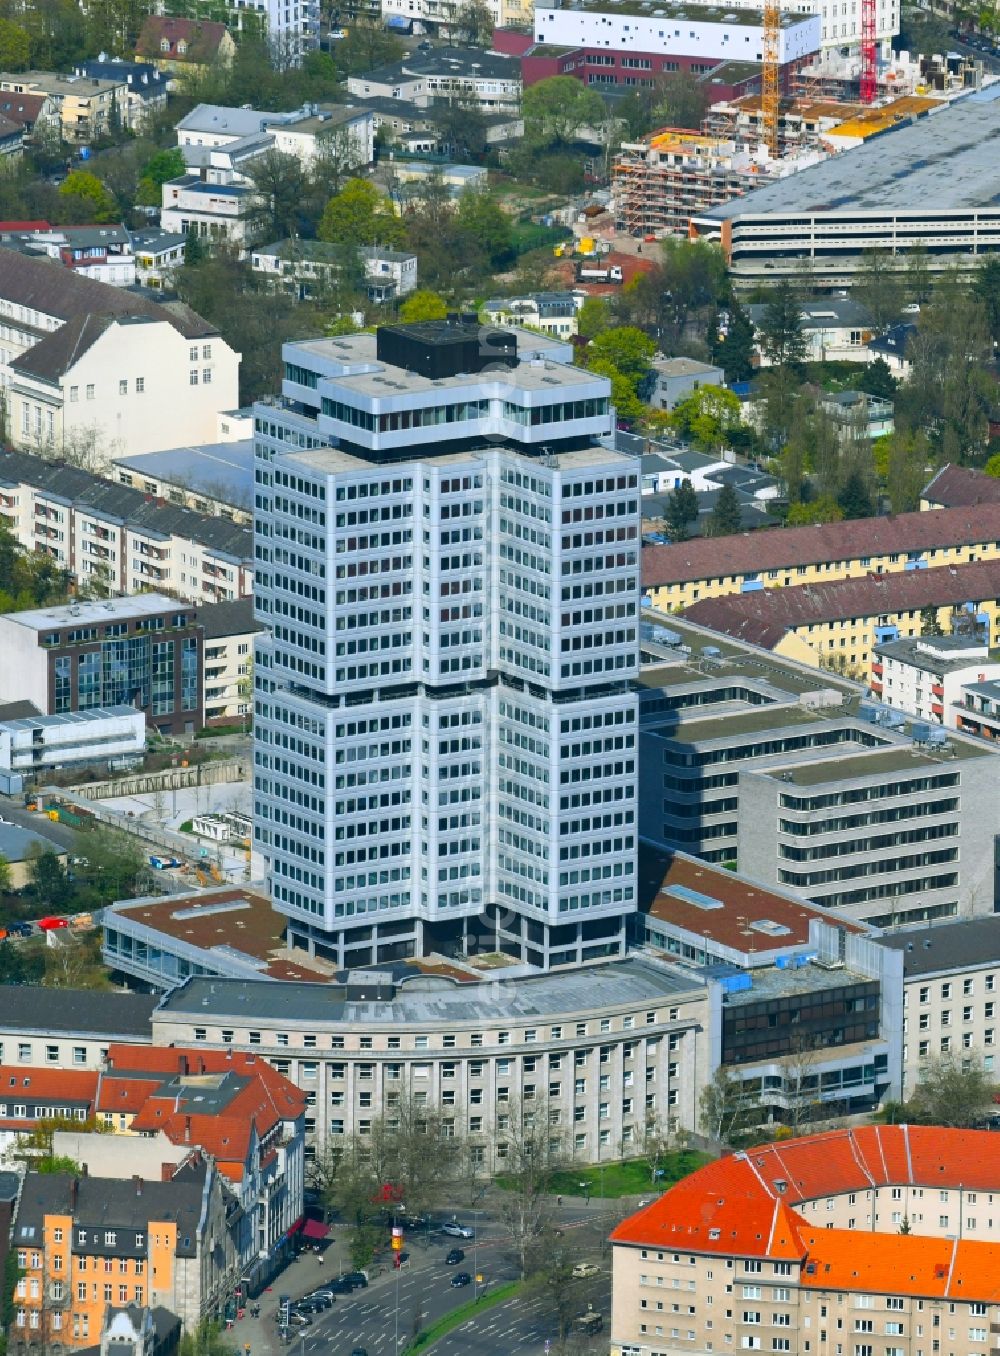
[660, 182]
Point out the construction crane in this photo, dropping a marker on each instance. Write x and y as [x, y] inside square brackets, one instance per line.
[770, 96]
[869, 67]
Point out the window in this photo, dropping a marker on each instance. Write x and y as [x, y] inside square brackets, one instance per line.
[74, 394]
[123, 387]
[90, 392]
[206, 376]
[193, 377]
[140, 385]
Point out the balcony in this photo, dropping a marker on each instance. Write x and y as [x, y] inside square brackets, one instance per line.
[877, 669]
[937, 689]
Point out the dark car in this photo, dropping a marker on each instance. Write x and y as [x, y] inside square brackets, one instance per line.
[360, 1351]
[454, 1257]
[320, 1297]
[358, 1280]
[461, 1278]
[309, 1306]
[339, 1285]
[423, 46]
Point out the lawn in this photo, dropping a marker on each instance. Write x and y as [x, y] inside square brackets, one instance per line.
[631, 1178]
[457, 1317]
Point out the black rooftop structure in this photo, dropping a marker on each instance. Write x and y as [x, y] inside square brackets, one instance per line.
[445, 348]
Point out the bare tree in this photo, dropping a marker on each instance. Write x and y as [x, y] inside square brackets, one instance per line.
[531, 1152]
[655, 1143]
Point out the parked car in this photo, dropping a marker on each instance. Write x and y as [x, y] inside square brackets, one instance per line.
[339, 1285]
[584, 1269]
[457, 1230]
[461, 1278]
[360, 1351]
[588, 1322]
[296, 1319]
[358, 1280]
[454, 1257]
[322, 1298]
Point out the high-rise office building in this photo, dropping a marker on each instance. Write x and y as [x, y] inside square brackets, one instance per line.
[448, 568]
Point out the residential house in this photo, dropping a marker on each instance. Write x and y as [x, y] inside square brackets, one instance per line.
[28, 110]
[674, 577]
[305, 269]
[94, 365]
[125, 537]
[416, 128]
[858, 416]
[12, 135]
[229, 629]
[835, 329]
[958, 487]
[216, 210]
[893, 347]
[84, 1243]
[300, 132]
[677, 378]
[86, 107]
[145, 85]
[177, 45]
[446, 75]
[103, 253]
[158, 256]
[304, 133]
[553, 313]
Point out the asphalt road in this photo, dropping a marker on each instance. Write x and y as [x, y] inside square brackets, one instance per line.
[59, 833]
[383, 1318]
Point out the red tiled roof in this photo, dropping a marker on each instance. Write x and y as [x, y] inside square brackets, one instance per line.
[743, 1206]
[48, 1085]
[202, 36]
[787, 547]
[26, 227]
[764, 616]
[960, 487]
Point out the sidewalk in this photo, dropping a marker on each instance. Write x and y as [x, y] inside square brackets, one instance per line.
[297, 1279]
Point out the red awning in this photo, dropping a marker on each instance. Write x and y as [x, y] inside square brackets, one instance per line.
[314, 1228]
[295, 1227]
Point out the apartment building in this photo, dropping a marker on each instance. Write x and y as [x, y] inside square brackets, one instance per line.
[893, 199]
[31, 746]
[84, 1243]
[958, 487]
[84, 105]
[92, 368]
[837, 625]
[840, 31]
[835, 329]
[145, 85]
[927, 677]
[488, 439]
[674, 577]
[146, 651]
[950, 994]
[677, 378]
[489, 80]
[229, 630]
[190, 46]
[118, 538]
[881, 1235]
[103, 253]
[595, 1048]
[69, 1028]
[306, 269]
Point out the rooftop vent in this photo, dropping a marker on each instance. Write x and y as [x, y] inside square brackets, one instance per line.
[687, 896]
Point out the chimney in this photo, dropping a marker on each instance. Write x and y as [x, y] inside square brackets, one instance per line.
[187, 1129]
[182, 1066]
[138, 1185]
[74, 1194]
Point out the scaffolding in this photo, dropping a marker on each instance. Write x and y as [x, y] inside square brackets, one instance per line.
[869, 53]
[770, 74]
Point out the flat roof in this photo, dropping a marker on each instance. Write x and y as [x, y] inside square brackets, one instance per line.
[931, 654]
[665, 9]
[222, 471]
[953, 945]
[38, 722]
[16, 844]
[86, 611]
[903, 757]
[583, 989]
[770, 982]
[947, 161]
[723, 906]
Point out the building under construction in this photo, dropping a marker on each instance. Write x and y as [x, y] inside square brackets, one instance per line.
[660, 182]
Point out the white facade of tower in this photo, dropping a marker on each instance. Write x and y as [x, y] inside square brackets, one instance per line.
[445, 725]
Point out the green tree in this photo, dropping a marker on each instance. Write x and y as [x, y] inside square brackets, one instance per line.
[485, 224]
[473, 24]
[992, 467]
[733, 350]
[681, 511]
[629, 409]
[877, 380]
[986, 289]
[206, 1339]
[918, 283]
[627, 348]
[49, 879]
[20, 964]
[709, 416]
[556, 110]
[907, 457]
[5, 877]
[929, 624]
[423, 305]
[780, 329]
[368, 44]
[593, 318]
[158, 169]
[360, 215]
[878, 286]
[854, 498]
[115, 861]
[91, 194]
[15, 46]
[952, 1093]
[825, 509]
[725, 518]
[681, 101]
